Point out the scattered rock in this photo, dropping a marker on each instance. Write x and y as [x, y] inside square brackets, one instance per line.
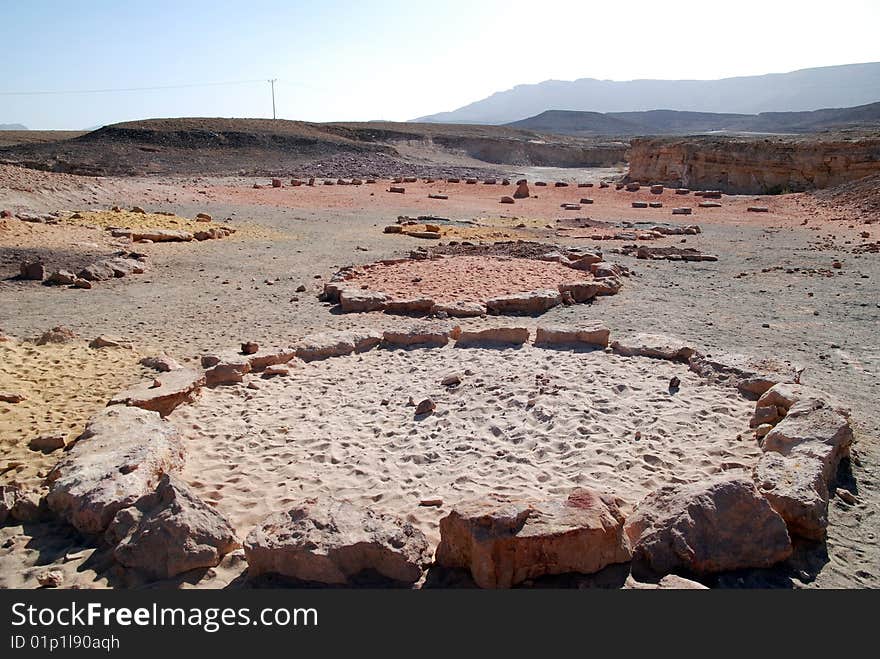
[12, 397]
[227, 372]
[425, 406]
[522, 190]
[507, 200]
[505, 541]
[249, 348]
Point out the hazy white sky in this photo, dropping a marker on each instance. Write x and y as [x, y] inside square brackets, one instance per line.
[393, 59]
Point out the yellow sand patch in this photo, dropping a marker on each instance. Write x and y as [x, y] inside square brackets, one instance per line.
[129, 220]
[64, 385]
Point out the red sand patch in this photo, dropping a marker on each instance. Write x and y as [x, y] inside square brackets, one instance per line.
[465, 278]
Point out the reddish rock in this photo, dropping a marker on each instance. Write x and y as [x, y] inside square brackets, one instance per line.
[507, 200]
[579, 291]
[358, 301]
[505, 541]
[162, 363]
[58, 334]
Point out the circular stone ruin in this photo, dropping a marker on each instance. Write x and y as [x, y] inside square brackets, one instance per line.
[507, 455]
[473, 285]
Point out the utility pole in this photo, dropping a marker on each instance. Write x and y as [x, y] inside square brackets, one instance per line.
[272, 82]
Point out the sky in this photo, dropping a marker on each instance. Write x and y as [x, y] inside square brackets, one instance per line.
[393, 59]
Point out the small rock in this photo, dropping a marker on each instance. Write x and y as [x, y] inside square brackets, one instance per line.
[47, 443]
[846, 496]
[10, 397]
[50, 578]
[452, 380]
[249, 348]
[426, 406]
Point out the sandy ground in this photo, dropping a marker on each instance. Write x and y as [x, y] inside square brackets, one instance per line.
[526, 422]
[774, 290]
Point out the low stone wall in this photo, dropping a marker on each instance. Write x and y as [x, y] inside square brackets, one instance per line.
[120, 480]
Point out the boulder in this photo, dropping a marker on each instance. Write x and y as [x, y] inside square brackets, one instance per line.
[32, 270]
[580, 291]
[336, 344]
[658, 346]
[751, 375]
[812, 429]
[504, 541]
[583, 261]
[332, 541]
[424, 334]
[593, 334]
[164, 393]
[522, 190]
[785, 395]
[718, 524]
[494, 336]
[270, 356]
[796, 489]
[605, 269]
[532, 302]
[118, 459]
[459, 309]
[170, 531]
[358, 301]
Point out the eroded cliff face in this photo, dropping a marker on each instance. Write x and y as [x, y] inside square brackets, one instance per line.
[753, 165]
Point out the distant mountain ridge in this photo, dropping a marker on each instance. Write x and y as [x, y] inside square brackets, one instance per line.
[13, 127]
[847, 85]
[675, 122]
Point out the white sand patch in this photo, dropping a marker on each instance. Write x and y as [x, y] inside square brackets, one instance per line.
[525, 422]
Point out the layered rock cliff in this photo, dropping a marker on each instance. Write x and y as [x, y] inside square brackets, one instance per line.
[740, 165]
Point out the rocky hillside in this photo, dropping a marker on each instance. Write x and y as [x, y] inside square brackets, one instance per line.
[752, 165]
[673, 122]
[263, 146]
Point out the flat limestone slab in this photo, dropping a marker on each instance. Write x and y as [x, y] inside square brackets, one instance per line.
[164, 393]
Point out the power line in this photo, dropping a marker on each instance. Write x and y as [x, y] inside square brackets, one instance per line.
[130, 89]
